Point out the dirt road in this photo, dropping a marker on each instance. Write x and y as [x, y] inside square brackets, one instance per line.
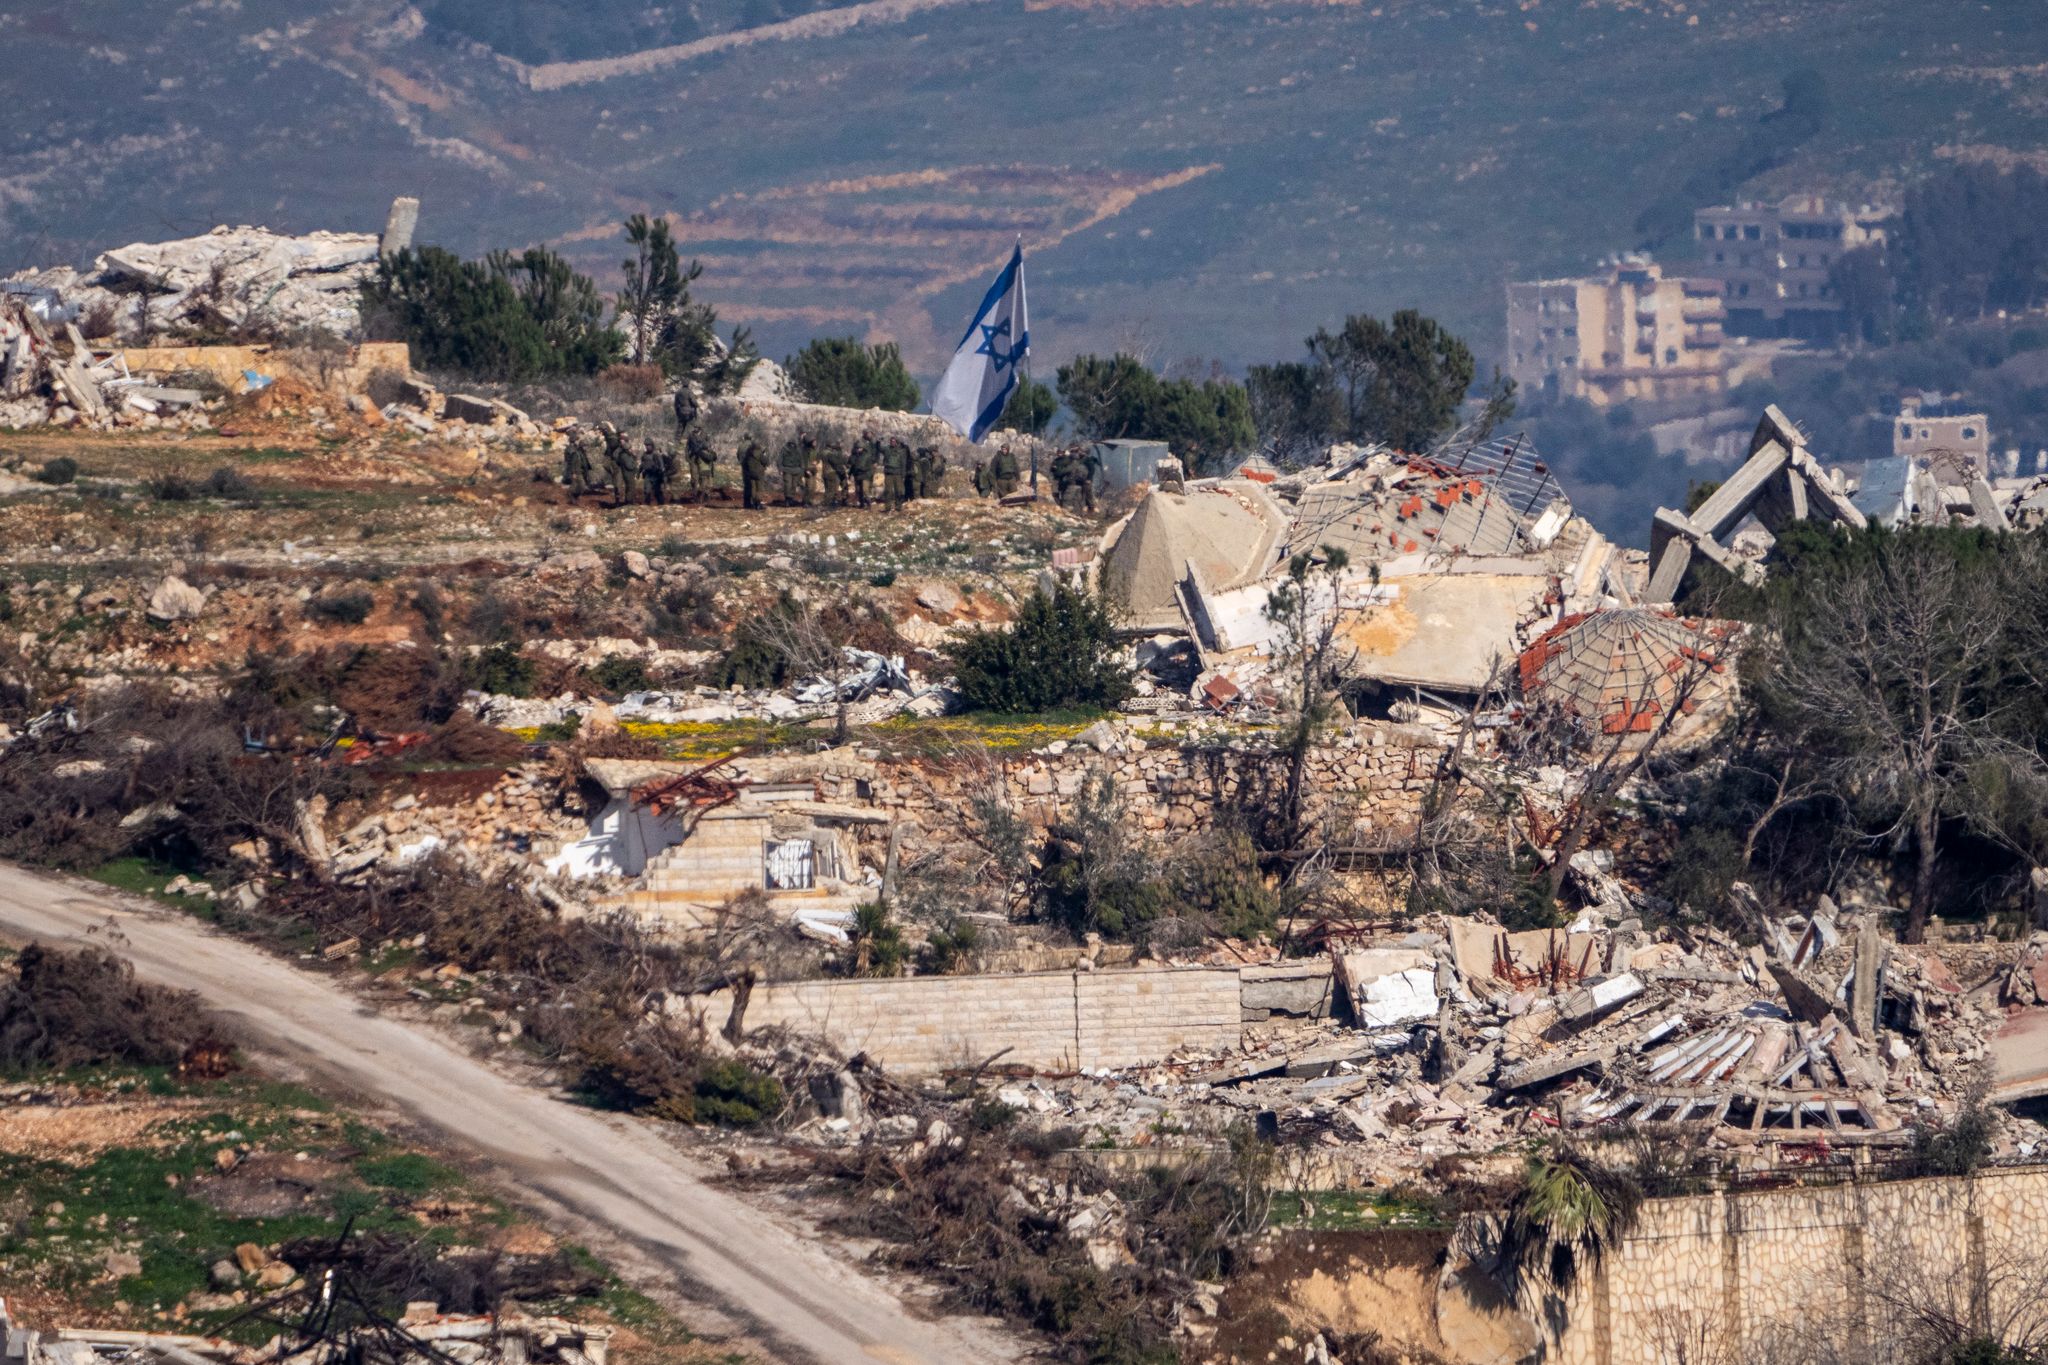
[594, 1170]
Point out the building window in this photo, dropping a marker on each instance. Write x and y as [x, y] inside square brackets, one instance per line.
[1905, 432]
[1753, 233]
[788, 865]
[1969, 433]
[1670, 355]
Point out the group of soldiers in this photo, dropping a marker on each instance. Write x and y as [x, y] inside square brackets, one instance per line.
[842, 475]
[808, 468]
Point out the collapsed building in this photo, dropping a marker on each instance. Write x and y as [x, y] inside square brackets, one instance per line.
[1455, 567]
[1782, 482]
[228, 280]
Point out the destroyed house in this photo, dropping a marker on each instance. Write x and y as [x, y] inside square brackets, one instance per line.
[1453, 562]
[689, 837]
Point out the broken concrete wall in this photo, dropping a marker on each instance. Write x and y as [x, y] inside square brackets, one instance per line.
[1050, 1021]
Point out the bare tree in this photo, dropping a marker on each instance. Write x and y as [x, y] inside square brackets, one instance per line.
[1307, 611]
[811, 649]
[1902, 669]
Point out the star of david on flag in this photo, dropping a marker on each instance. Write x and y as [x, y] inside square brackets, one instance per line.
[983, 372]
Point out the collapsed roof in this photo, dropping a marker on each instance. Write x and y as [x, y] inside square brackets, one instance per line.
[1451, 561]
[1223, 534]
[1624, 668]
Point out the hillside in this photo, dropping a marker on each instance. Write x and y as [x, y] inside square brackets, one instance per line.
[1201, 181]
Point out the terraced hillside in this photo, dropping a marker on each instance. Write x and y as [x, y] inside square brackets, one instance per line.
[1202, 181]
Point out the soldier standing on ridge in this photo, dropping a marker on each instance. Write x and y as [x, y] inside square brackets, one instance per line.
[1064, 476]
[655, 467]
[929, 465]
[835, 461]
[795, 464]
[576, 471]
[623, 466]
[1088, 463]
[686, 407]
[895, 470]
[867, 453]
[1004, 470]
[703, 459]
[753, 470]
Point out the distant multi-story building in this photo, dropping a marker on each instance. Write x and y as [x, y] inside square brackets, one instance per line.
[1627, 335]
[1773, 261]
[1934, 425]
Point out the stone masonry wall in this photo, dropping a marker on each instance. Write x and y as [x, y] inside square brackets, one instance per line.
[1366, 784]
[1053, 1021]
[1769, 1275]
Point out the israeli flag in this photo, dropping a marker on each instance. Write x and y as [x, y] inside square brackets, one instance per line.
[983, 371]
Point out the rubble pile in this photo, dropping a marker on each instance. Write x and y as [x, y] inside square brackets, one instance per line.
[230, 279]
[1455, 1037]
[423, 1336]
[50, 374]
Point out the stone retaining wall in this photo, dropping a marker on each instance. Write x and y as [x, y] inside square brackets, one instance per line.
[1772, 1275]
[1050, 1021]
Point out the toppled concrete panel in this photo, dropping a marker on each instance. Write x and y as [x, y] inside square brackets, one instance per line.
[1780, 484]
[1589, 1002]
[1296, 989]
[1226, 536]
[1388, 987]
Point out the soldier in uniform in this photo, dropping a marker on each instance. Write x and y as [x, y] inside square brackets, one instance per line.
[577, 476]
[984, 479]
[656, 465]
[833, 455]
[895, 471]
[1087, 465]
[753, 470]
[867, 453]
[686, 408]
[1063, 475]
[798, 455]
[703, 459]
[622, 464]
[1004, 470]
[931, 467]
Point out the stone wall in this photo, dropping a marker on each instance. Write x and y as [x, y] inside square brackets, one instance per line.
[1367, 784]
[1776, 1275]
[1051, 1021]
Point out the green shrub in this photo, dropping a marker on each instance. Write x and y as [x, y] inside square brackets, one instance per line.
[560, 731]
[350, 607]
[844, 373]
[619, 674]
[228, 484]
[170, 486]
[735, 1095]
[61, 470]
[502, 671]
[1061, 652]
[878, 946]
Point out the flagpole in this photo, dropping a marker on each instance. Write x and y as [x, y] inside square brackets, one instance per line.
[1024, 297]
